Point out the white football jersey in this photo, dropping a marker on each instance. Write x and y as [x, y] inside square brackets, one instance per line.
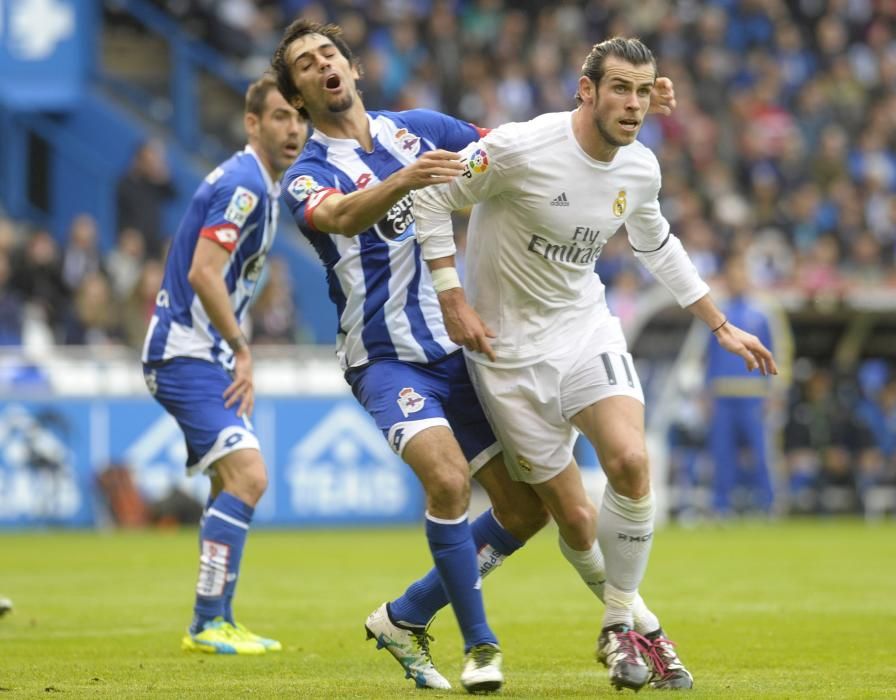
[544, 211]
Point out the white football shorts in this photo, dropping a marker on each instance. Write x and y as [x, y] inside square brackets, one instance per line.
[530, 407]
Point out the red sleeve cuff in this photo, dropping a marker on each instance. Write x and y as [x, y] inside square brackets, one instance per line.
[314, 202]
[225, 235]
[482, 132]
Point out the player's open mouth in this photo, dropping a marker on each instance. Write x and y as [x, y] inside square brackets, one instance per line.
[629, 124]
[333, 82]
[291, 149]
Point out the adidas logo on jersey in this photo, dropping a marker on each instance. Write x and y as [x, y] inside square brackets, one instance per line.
[560, 200]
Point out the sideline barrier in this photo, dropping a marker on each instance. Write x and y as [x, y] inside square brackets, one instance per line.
[328, 463]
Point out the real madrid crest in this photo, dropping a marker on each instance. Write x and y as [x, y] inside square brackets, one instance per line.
[619, 204]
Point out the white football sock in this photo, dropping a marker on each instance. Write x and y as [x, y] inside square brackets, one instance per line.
[624, 533]
[590, 565]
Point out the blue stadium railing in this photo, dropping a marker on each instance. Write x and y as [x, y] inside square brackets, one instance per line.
[189, 58]
[82, 152]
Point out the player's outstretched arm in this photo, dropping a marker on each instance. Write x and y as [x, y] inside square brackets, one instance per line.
[735, 340]
[354, 213]
[464, 325]
[204, 276]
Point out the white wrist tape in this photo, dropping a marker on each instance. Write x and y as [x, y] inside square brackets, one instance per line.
[445, 278]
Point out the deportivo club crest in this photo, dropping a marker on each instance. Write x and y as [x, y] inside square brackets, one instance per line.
[409, 401]
[619, 204]
[407, 142]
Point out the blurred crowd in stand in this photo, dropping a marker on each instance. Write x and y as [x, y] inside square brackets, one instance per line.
[783, 145]
[71, 292]
[782, 151]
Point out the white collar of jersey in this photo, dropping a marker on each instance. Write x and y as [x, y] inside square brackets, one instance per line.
[374, 125]
[272, 187]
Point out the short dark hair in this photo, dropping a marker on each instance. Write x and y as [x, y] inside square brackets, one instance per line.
[299, 28]
[257, 93]
[628, 49]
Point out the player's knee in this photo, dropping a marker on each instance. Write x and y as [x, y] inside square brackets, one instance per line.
[579, 525]
[256, 482]
[523, 521]
[629, 472]
[245, 478]
[449, 490]
[629, 461]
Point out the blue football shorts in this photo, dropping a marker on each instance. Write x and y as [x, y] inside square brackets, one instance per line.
[191, 390]
[405, 398]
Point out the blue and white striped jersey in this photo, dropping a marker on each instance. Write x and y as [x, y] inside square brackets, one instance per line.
[237, 207]
[383, 293]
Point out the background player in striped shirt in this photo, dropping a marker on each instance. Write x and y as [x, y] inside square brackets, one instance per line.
[197, 362]
[350, 193]
[545, 353]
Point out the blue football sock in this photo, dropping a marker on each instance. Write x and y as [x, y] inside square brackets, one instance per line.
[223, 533]
[228, 597]
[451, 544]
[208, 504]
[426, 596]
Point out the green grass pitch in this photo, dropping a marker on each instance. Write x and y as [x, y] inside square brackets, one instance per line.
[796, 610]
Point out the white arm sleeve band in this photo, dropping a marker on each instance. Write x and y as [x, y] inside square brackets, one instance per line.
[432, 217]
[671, 265]
[491, 166]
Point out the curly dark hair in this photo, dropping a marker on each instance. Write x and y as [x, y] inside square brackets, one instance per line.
[281, 68]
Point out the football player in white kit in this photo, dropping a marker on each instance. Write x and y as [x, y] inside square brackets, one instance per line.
[547, 357]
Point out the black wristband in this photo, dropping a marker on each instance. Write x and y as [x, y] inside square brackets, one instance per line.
[720, 326]
[238, 343]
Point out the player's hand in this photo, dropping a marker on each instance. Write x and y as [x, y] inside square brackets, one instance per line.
[749, 347]
[464, 325]
[241, 389]
[432, 168]
[662, 97]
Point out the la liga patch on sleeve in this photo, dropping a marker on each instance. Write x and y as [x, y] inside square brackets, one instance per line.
[303, 187]
[242, 203]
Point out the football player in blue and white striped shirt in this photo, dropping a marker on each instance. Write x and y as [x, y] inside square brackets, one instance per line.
[197, 363]
[350, 193]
